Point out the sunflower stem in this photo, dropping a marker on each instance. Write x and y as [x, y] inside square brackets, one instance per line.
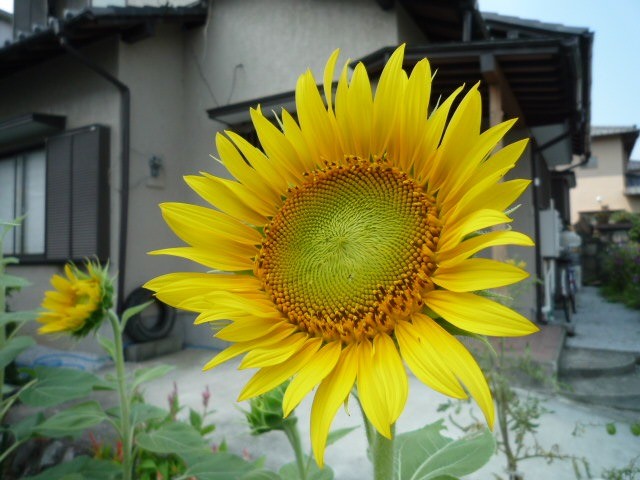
[382, 453]
[291, 431]
[3, 308]
[125, 428]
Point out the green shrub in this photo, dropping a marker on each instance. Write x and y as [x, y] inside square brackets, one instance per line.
[621, 274]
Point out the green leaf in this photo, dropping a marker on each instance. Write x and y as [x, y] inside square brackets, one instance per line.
[18, 317]
[25, 428]
[58, 385]
[176, 437]
[73, 420]
[195, 419]
[338, 434]
[9, 261]
[290, 471]
[81, 468]
[635, 429]
[261, 475]
[107, 344]
[130, 312]
[12, 349]
[11, 281]
[611, 428]
[143, 412]
[151, 373]
[425, 454]
[220, 466]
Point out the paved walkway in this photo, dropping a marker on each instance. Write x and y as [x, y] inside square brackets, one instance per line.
[603, 325]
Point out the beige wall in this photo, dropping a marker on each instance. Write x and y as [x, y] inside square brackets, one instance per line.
[603, 185]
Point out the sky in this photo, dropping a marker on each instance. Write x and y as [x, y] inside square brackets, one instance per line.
[616, 64]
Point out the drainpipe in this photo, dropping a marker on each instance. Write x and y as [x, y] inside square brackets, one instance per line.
[535, 153]
[125, 130]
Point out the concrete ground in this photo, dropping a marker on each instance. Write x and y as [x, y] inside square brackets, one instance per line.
[603, 325]
[577, 429]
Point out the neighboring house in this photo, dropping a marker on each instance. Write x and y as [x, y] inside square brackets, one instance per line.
[610, 180]
[104, 109]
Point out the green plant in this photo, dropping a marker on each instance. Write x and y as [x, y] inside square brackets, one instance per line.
[11, 344]
[621, 274]
[151, 443]
[630, 471]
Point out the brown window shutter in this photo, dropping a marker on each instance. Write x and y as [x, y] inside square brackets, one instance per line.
[78, 195]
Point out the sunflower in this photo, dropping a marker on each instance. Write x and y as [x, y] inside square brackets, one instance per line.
[342, 247]
[78, 303]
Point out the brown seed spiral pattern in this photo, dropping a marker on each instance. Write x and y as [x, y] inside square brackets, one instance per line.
[351, 250]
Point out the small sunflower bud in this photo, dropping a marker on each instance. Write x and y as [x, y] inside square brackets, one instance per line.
[79, 303]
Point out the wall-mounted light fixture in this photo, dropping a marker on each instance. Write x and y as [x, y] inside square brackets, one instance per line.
[155, 164]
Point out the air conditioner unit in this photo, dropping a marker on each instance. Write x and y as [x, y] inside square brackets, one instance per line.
[550, 229]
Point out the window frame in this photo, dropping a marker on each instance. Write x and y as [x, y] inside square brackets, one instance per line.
[29, 258]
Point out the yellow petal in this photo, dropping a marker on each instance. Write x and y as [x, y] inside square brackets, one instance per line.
[359, 112]
[415, 114]
[461, 363]
[454, 232]
[328, 77]
[464, 124]
[315, 123]
[505, 194]
[245, 173]
[478, 314]
[501, 161]
[230, 197]
[386, 104]
[425, 161]
[310, 375]
[268, 378]
[332, 392]
[458, 181]
[248, 329]
[428, 366]
[209, 258]
[473, 245]
[200, 234]
[240, 348]
[294, 135]
[382, 382]
[274, 354]
[283, 158]
[201, 283]
[477, 274]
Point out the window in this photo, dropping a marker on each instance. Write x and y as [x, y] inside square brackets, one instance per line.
[64, 191]
[22, 192]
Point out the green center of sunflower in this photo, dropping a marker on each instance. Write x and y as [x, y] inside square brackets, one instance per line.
[349, 252]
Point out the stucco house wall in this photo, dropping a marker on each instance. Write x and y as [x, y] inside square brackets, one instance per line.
[602, 185]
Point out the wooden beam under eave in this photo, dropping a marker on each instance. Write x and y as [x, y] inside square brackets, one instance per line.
[495, 78]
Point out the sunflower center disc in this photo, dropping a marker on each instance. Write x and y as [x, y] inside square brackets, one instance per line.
[349, 252]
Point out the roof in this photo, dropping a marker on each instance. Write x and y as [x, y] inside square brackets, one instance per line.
[523, 27]
[91, 24]
[603, 131]
[546, 75]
